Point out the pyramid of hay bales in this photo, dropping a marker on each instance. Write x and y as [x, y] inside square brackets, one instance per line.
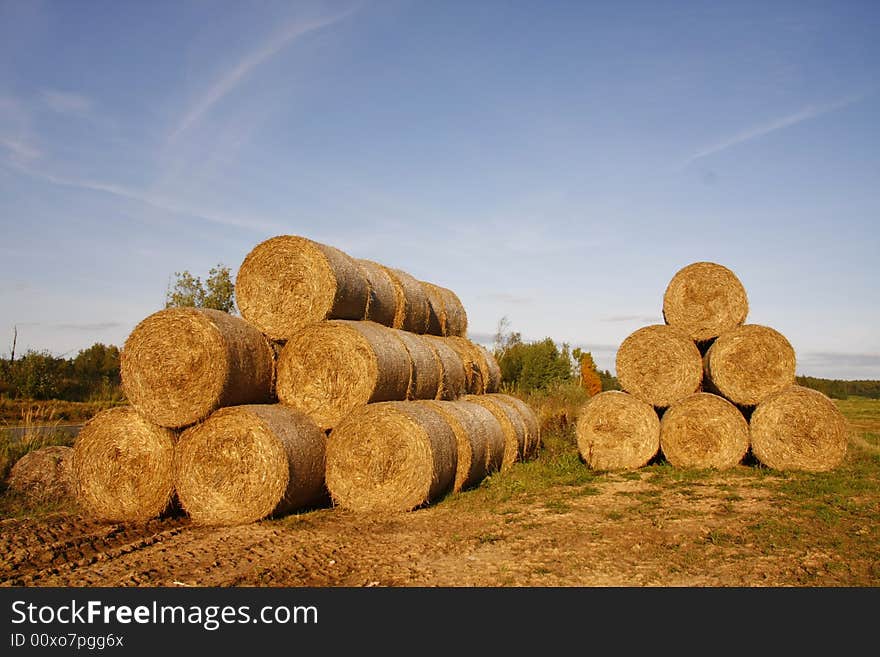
[705, 387]
[343, 379]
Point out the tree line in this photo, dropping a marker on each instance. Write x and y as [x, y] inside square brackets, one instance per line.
[839, 389]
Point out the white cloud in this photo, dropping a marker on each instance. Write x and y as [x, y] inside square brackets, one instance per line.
[66, 103]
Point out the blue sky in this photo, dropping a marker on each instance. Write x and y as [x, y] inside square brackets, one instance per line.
[552, 162]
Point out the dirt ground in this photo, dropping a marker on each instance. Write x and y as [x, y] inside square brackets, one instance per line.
[616, 530]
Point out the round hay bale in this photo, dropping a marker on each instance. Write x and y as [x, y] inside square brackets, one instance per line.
[180, 364]
[44, 474]
[329, 369]
[476, 369]
[288, 282]
[456, 321]
[425, 377]
[245, 463]
[798, 429]
[749, 363]
[704, 431]
[659, 364]
[530, 420]
[390, 456]
[512, 425]
[436, 310]
[413, 309]
[382, 299]
[492, 372]
[123, 466]
[472, 447]
[617, 431]
[705, 300]
[452, 374]
[492, 431]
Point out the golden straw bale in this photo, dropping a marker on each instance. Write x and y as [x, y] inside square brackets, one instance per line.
[330, 368]
[798, 429]
[456, 321]
[245, 463]
[530, 419]
[426, 371]
[704, 431]
[476, 369]
[390, 456]
[382, 300]
[749, 363]
[288, 282]
[413, 309]
[44, 474]
[705, 300]
[471, 436]
[123, 466]
[617, 431]
[452, 374]
[436, 310]
[659, 364]
[492, 371]
[512, 425]
[180, 364]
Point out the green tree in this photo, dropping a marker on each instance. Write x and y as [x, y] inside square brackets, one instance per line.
[533, 365]
[216, 292]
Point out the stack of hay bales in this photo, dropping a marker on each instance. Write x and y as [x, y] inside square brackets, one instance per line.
[230, 416]
[705, 387]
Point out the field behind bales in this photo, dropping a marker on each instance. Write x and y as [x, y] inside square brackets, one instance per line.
[547, 522]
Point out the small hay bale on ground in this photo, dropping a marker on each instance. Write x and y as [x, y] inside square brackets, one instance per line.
[659, 365]
[530, 420]
[413, 309]
[512, 425]
[452, 375]
[476, 369]
[123, 466]
[44, 474]
[180, 364]
[389, 457]
[617, 431]
[330, 368]
[426, 372]
[245, 463]
[472, 447]
[705, 300]
[798, 429]
[704, 431]
[749, 363]
[288, 282]
[382, 299]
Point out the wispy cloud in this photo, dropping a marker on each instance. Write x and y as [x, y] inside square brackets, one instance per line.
[644, 319]
[65, 102]
[19, 147]
[507, 298]
[15, 137]
[760, 130]
[153, 200]
[234, 76]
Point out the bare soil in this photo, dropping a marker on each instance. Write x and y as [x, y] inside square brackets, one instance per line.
[616, 530]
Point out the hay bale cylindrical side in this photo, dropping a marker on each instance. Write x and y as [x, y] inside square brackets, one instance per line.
[413, 309]
[472, 447]
[436, 309]
[288, 282]
[389, 457]
[493, 433]
[798, 429]
[331, 368]
[456, 321]
[425, 372]
[512, 425]
[659, 365]
[492, 370]
[245, 463]
[452, 374]
[749, 363]
[44, 474]
[476, 370]
[180, 364]
[123, 466]
[530, 420]
[382, 298]
[704, 300]
[704, 431]
[617, 431]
